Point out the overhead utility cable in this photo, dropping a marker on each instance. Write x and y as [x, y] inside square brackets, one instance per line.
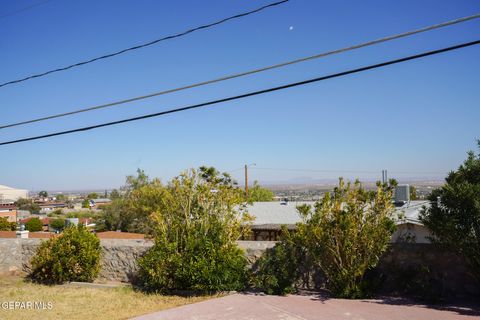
[8, 14]
[250, 94]
[78, 64]
[346, 171]
[242, 74]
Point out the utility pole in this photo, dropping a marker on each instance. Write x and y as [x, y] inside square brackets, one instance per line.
[246, 183]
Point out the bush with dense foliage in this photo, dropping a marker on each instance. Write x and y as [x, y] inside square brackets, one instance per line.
[454, 213]
[342, 237]
[258, 193]
[34, 225]
[280, 267]
[197, 219]
[57, 224]
[122, 213]
[72, 256]
[5, 225]
[28, 205]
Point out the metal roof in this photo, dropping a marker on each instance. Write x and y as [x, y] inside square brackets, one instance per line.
[411, 211]
[277, 213]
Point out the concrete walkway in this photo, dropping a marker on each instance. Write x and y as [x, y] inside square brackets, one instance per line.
[310, 306]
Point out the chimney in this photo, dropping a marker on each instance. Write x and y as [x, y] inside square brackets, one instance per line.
[22, 234]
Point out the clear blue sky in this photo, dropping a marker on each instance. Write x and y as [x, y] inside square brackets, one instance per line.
[420, 116]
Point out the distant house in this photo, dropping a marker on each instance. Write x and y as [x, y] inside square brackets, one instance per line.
[46, 207]
[45, 222]
[271, 216]
[11, 215]
[96, 203]
[409, 226]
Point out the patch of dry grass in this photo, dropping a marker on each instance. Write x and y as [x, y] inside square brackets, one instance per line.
[83, 303]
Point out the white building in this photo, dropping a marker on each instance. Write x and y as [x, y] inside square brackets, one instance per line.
[10, 195]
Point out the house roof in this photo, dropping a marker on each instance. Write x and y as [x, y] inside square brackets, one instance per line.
[44, 221]
[120, 235]
[411, 211]
[101, 200]
[276, 212]
[271, 215]
[101, 235]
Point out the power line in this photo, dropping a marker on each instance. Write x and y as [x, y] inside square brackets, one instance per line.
[346, 171]
[250, 94]
[11, 13]
[242, 74]
[314, 170]
[145, 44]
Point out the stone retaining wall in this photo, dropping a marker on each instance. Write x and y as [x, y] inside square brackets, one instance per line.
[426, 267]
[119, 256]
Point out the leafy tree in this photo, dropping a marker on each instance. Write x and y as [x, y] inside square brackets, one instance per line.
[27, 204]
[72, 256]
[258, 193]
[81, 214]
[43, 194]
[135, 182]
[114, 194]
[212, 175]
[57, 212]
[122, 214]
[280, 267]
[413, 193]
[197, 219]
[131, 211]
[5, 225]
[342, 237]
[454, 213]
[60, 197]
[57, 224]
[92, 195]
[34, 225]
[86, 203]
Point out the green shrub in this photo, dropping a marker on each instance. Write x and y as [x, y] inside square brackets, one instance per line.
[72, 256]
[200, 267]
[347, 233]
[341, 238]
[33, 225]
[276, 272]
[57, 224]
[7, 226]
[81, 214]
[453, 216]
[197, 220]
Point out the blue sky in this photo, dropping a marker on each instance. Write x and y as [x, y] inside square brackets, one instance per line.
[418, 117]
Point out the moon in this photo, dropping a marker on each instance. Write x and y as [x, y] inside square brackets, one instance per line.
[291, 28]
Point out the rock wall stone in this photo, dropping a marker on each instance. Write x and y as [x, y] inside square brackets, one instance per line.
[15, 254]
[119, 261]
[438, 272]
